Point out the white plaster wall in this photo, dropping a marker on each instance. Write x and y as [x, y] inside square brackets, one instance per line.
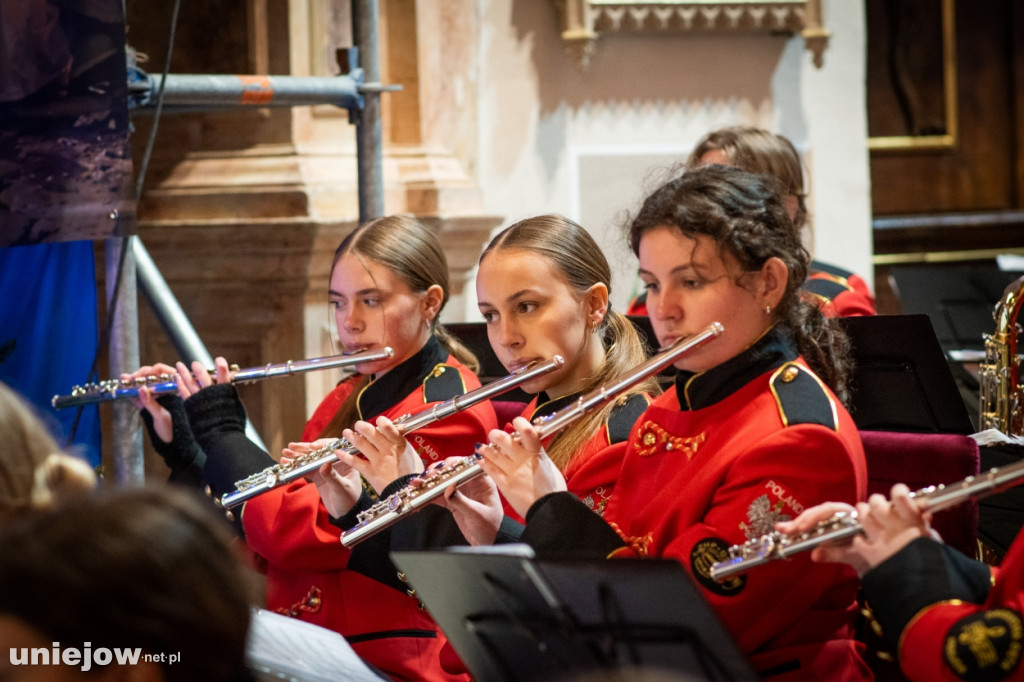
[554, 139]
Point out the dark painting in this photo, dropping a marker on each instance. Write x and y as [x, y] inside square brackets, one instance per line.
[65, 166]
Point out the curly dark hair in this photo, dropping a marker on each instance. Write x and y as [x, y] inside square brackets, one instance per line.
[745, 214]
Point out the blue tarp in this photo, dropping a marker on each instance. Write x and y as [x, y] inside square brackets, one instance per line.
[49, 332]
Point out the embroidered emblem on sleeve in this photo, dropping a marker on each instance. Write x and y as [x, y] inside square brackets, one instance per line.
[763, 515]
[597, 499]
[985, 646]
[707, 552]
[653, 439]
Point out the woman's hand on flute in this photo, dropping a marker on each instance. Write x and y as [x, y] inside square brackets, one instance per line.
[388, 455]
[475, 505]
[887, 526]
[519, 465]
[190, 383]
[163, 422]
[890, 525]
[338, 483]
[840, 552]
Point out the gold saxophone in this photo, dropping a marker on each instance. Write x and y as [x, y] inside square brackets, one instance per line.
[1001, 397]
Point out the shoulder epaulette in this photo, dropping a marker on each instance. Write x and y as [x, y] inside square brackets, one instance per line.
[802, 398]
[834, 270]
[443, 383]
[826, 288]
[624, 415]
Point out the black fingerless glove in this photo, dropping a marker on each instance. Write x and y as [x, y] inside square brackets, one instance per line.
[182, 455]
[217, 418]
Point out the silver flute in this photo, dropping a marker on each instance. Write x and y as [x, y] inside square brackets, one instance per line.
[412, 498]
[280, 474]
[119, 389]
[845, 525]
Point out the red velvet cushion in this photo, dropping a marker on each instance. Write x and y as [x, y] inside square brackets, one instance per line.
[507, 410]
[927, 459]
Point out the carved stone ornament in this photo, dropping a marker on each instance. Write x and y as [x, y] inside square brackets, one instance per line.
[584, 21]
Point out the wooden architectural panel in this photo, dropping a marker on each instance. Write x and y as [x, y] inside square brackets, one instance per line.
[941, 156]
[944, 120]
[583, 21]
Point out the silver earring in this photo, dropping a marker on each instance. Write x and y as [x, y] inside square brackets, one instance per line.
[767, 310]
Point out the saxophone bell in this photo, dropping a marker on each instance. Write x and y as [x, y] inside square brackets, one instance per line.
[1001, 395]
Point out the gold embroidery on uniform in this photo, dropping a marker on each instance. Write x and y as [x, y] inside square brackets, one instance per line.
[654, 439]
[595, 503]
[992, 638]
[639, 544]
[978, 638]
[703, 555]
[311, 603]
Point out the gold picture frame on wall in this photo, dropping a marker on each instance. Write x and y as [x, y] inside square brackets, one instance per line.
[584, 21]
[921, 75]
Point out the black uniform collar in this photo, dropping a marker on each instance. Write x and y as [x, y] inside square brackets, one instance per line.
[546, 406]
[699, 390]
[381, 394]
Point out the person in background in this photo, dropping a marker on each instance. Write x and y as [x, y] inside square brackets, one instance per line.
[753, 430]
[947, 617]
[388, 285]
[34, 473]
[144, 572]
[542, 288]
[839, 292]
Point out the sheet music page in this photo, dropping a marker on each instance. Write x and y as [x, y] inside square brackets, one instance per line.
[283, 648]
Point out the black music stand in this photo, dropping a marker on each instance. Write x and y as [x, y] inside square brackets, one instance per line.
[902, 381]
[512, 617]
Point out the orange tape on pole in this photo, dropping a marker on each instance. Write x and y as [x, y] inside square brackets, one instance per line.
[256, 89]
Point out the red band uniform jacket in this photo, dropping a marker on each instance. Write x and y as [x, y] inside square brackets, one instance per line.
[716, 461]
[838, 292]
[590, 476]
[949, 617]
[311, 576]
[592, 471]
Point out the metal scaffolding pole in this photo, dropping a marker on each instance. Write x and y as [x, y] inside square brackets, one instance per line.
[124, 358]
[369, 156]
[358, 91]
[173, 319]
